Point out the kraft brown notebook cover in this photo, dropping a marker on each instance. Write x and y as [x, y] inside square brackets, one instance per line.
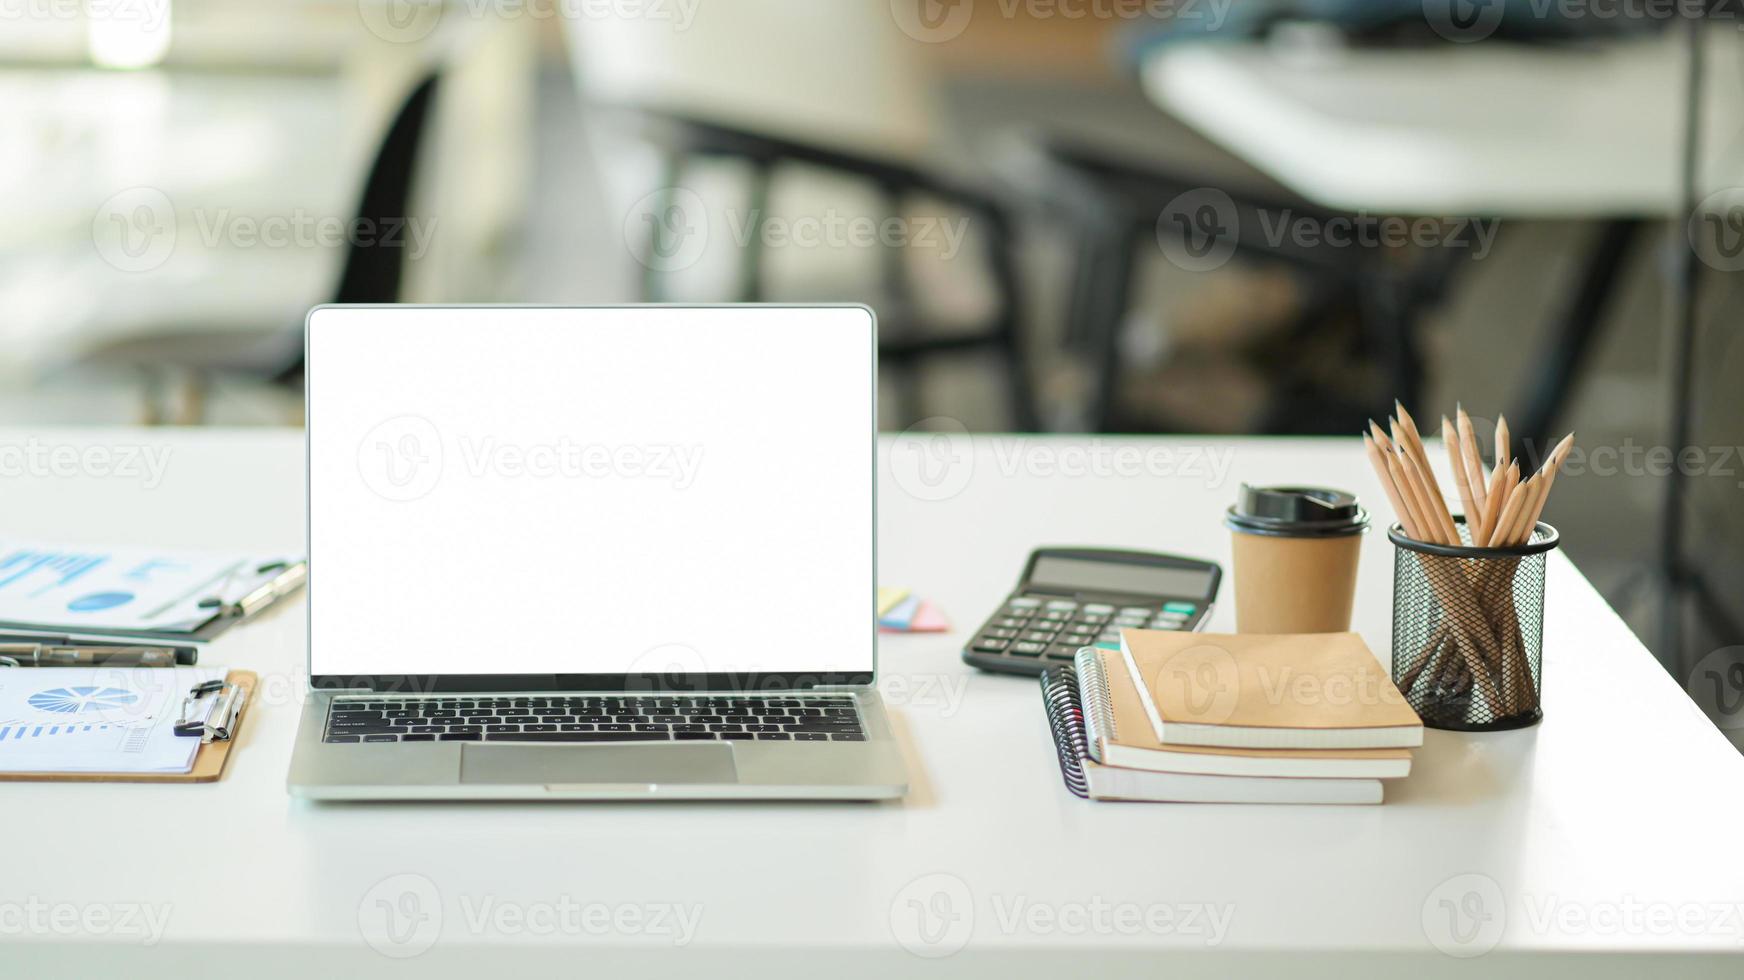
[1268, 691]
[208, 762]
[1121, 735]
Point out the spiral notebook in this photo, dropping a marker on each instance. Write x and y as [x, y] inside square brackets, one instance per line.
[1087, 778]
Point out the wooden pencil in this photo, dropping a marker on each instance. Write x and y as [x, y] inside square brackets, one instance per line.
[1510, 508]
[1414, 444]
[1461, 481]
[1474, 466]
[1392, 490]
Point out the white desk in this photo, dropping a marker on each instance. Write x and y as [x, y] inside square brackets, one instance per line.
[1573, 818]
[1487, 129]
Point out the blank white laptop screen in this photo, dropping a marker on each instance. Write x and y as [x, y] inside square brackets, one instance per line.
[605, 491]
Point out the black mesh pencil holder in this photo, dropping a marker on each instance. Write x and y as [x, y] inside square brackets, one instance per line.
[1468, 630]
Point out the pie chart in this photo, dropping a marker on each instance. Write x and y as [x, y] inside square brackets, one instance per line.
[72, 700]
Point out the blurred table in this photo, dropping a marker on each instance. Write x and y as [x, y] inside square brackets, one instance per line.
[1488, 129]
[130, 199]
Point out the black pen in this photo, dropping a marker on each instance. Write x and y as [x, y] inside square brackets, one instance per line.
[44, 655]
[185, 656]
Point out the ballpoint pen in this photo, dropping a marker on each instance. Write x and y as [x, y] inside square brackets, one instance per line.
[186, 655]
[45, 655]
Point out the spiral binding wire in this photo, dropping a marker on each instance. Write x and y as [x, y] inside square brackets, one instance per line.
[1066, 719]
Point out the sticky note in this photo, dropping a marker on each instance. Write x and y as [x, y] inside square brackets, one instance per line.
[888, 597]
[899, 617]
[928, 619]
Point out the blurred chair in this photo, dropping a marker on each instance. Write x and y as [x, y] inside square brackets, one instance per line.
[846, 98]
[908, 338]
[1114, 206]
[192, 361]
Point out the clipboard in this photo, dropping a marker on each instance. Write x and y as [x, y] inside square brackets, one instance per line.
[240, 589]
[208, 761]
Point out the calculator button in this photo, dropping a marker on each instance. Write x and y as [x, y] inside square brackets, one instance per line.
[991, 644]
[1056, 614]
[1098, 609]
[1010, 622]
[1024, 602]
[1093, 618]
[1065, 604]
[1163, 624]
[1000, 634]
[1028, 649]
[1135, 610]
[1038, 636]
[1063, 651]
[1185, 608]
[1110, 636]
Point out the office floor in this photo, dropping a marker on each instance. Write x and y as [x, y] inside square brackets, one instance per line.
[572, 249]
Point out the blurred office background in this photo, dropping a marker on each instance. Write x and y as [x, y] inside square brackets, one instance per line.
[1175, 216]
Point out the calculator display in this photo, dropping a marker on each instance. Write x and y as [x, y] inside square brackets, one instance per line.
[1079, 575]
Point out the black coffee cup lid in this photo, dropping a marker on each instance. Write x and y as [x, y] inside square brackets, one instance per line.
[1296, 512]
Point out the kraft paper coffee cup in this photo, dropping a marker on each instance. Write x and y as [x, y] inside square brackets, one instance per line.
[1295, 556]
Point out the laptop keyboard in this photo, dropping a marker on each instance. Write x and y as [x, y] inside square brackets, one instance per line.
[658, 718]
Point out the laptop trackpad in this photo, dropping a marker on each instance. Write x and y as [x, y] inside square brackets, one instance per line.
[596, 764]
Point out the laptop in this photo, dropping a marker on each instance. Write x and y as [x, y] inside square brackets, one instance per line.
[602, 554]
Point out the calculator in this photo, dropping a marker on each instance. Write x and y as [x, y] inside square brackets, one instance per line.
[1070, 598]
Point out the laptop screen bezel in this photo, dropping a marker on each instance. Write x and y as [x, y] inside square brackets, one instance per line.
[735, 682]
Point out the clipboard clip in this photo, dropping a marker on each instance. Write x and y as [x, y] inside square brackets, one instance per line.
[290, 578]
[210, 711]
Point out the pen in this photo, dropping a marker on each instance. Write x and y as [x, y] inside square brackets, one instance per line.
[186, 655]
[43, 655]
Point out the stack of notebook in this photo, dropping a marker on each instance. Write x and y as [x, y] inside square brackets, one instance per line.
[1239, 718]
